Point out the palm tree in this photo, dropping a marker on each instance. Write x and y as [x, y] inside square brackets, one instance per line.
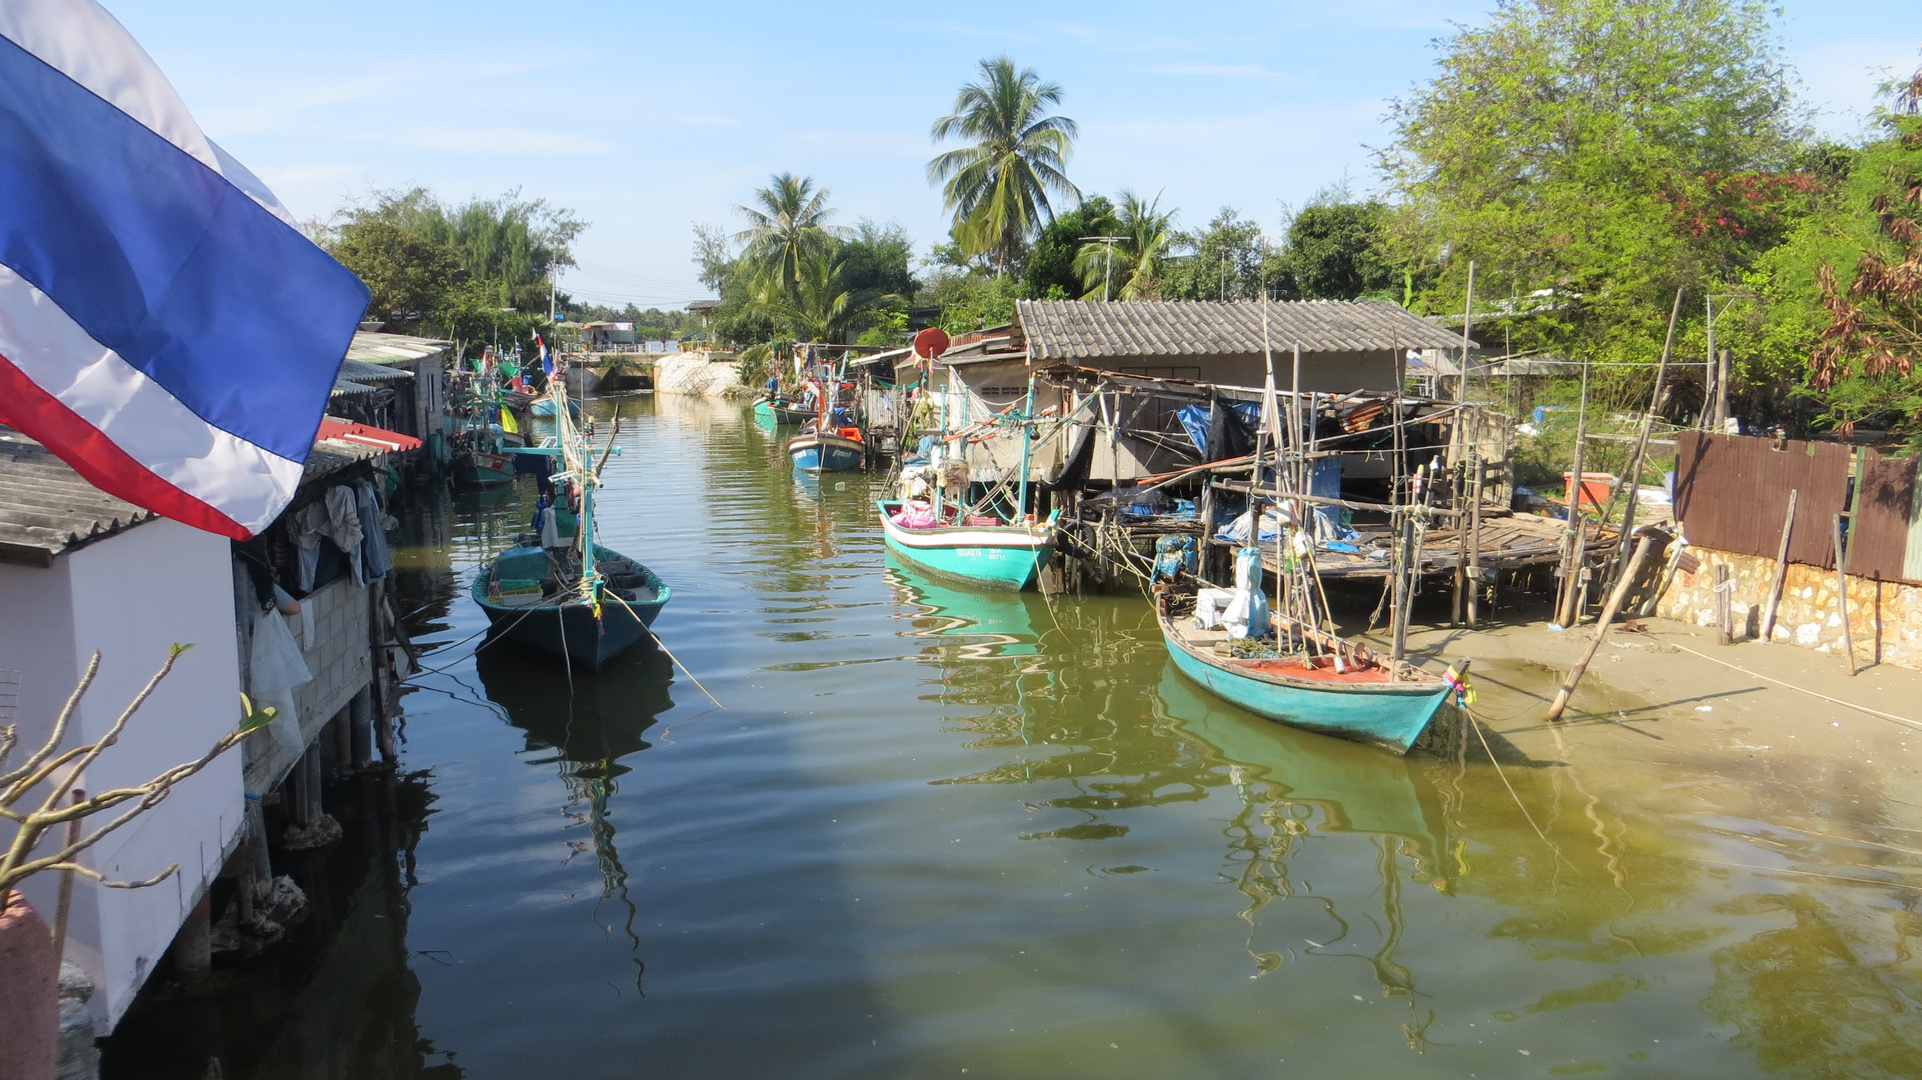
[1136, 266]
[820, 306]
[997, 188]
[789, 228]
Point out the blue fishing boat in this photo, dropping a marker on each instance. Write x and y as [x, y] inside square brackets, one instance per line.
[563, 593]
[545, 408]
[530, 599]
[835, 450]
[1328, 685]
[980, 549]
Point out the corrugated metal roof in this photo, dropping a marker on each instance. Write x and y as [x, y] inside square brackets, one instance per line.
[393, 348]
[1090, 330]
[47, 508]
[362, 372]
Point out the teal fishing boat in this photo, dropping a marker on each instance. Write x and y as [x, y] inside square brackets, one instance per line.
[1321, 683]
[979, 549]
[563, 594]
[834, 450]
[782, 411]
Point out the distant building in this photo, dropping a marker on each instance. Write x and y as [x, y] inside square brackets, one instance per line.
[608, 337]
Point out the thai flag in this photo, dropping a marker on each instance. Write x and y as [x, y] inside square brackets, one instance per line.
[164, 326]
[547, 362]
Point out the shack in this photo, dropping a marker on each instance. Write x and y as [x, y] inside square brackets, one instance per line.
[608, 337]
[81, 570]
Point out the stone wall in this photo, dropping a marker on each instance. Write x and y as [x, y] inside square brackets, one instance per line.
[695, 373]
[1884, 616]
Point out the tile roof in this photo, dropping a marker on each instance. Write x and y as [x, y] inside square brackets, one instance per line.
[1089, 330]
[47, 508]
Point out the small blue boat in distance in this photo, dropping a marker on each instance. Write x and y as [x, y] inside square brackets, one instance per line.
[1365, 697]
[978, 549]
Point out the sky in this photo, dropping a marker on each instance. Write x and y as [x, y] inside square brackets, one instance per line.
[647, 118]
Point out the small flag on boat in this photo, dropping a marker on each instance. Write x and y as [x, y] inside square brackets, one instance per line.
[164, 326]
[547, 362]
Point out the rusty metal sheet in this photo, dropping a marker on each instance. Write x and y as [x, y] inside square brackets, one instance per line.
[1732, 490]
[1886, 519]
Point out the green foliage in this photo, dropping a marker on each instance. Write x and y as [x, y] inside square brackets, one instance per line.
[508, 240]
[997, 186]
[1335, 249]
[1591, 147]
[408, 275]
[1229, 260]
[1131, 268]
[974, 301]
[789, 230]
[1049, 273]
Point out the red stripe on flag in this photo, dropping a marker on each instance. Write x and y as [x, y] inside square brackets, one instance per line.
[40, 416]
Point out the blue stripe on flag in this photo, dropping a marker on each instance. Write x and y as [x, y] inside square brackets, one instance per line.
[162, 260]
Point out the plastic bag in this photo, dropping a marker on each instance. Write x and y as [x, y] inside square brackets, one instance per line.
[276, 667]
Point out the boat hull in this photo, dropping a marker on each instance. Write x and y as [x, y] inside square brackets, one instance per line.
[477, 469]
[571, 631]
[995, 556]
[826, 453]
[781, 413]
[1389, 715]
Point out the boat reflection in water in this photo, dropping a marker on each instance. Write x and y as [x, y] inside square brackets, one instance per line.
[1295, 784]
[960, 623]
[591, 722]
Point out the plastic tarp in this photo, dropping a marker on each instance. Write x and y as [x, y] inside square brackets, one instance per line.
[1198, 422]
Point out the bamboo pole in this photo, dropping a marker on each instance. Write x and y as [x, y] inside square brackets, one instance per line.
[1614, 605]
[1781, 569]
[1842, 595]
[1567, 611]
[1634, 477]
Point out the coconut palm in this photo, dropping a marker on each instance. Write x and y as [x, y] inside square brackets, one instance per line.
[1137, 259]
[789, 228]
[997, 187]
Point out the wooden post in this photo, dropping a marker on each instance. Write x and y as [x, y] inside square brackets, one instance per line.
[1614, 605]
[1721, 391]
[1633, 477]
[1404, 586]
[360, 715]
[1475, 534]
[1724, 609]
[1781, 570]
[193, 943]
[1842, 595]
[1567, 611]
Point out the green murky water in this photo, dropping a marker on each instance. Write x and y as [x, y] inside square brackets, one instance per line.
[937, 832]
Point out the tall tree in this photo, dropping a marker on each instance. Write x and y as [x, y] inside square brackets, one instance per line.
[1048, 272]
[997, 187]
[1228, 260]
[1334, 248]
[1569, 144]
[510, 242]
[787, 227]
[1128, 269]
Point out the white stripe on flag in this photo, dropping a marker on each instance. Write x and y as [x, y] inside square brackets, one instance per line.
[237, 478]
[79, 39]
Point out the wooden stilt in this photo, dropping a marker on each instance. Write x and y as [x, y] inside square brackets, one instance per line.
[1781, 569]
[1622, 583]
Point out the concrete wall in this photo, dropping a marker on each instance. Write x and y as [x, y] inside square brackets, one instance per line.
[1885, 617]
[130, 597]
[693, 373]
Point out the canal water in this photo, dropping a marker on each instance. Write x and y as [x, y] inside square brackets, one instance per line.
[932, 832]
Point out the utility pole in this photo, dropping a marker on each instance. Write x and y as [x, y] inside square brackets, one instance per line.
[553, 287]
[1107, 273]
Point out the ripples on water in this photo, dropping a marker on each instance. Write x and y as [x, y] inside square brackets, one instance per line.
[937, 831]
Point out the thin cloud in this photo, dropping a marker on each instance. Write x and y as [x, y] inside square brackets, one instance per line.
[710, 120]
[1235, 71]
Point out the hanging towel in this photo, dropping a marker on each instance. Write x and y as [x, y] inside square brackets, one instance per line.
[343, 528]
[375, 556]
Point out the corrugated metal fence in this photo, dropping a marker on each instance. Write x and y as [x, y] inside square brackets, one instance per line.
[1732, 491]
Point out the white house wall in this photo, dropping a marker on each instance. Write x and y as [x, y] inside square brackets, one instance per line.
[131, 596]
